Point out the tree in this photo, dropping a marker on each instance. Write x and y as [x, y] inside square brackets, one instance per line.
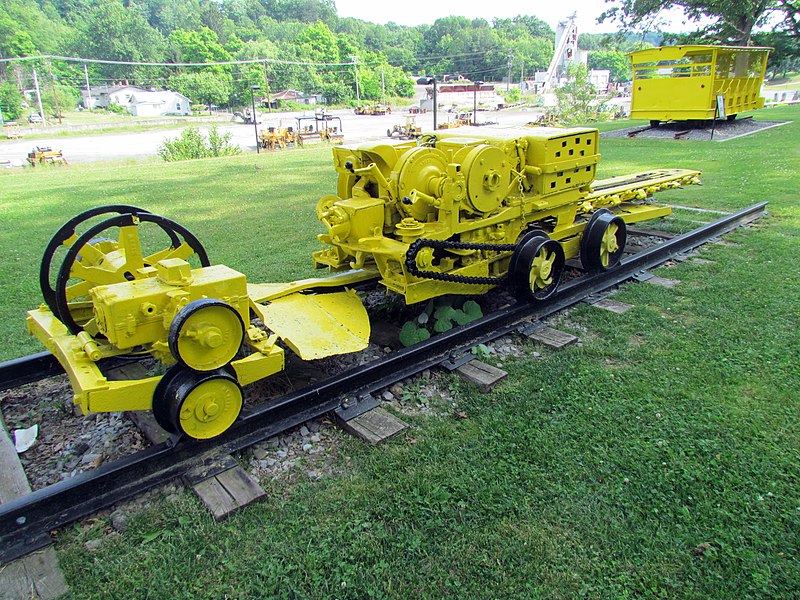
[733, 20]
[576, 98]
[201, 46]
[10, 101]
[203, 88]
[613, 60]
[112, 31]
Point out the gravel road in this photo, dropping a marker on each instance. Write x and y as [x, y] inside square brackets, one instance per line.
[133, 145]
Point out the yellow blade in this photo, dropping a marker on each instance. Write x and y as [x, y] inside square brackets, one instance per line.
[318, 325]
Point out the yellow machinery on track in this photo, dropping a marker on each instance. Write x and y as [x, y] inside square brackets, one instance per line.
[453, 213]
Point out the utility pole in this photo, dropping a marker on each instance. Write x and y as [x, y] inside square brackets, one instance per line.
[355, 68]
[55, 94]
[510, 64]
[88, 89]
[38, 97]
[383, 88]
[266, 82]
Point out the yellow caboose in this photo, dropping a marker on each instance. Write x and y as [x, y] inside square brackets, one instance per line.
[686, 83]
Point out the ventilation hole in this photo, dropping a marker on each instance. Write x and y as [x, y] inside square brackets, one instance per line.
[569, 179]
[583, 152]
[571, 152]
[589, 142]
[558, 154]
[560, 173]
[564, 144]
[588, 169]
[552, 184]
[577, 140]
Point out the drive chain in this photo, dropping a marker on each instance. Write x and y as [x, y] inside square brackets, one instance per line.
[417, 245]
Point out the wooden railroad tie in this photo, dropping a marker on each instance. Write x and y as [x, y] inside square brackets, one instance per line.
[374, 426]
[36, 575]
[613, 305]
[551, 337]
[663, 281]
[483, 375]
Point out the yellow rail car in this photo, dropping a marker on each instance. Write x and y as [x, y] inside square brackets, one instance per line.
[684, 83]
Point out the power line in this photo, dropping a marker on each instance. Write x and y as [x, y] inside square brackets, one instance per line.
[167, 64]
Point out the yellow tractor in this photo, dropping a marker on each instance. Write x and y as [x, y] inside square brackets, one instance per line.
[45, 155]
[461, 119]
[409, 131]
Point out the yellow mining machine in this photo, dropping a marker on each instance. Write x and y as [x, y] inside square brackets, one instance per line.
[697, 83]
[461, 212]
[451, 213]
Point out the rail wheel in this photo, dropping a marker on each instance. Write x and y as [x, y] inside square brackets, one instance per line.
[96, 258]
[200, 405]
[206, 334]
[536, 266]
[603, 241]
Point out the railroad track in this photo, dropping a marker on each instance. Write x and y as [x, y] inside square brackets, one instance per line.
[25, 523]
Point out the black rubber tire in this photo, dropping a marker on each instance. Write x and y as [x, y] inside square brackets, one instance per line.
[592, 237]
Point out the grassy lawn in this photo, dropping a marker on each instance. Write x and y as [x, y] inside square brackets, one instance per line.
[658, 458]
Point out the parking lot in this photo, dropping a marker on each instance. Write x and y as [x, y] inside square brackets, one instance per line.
[135, 145]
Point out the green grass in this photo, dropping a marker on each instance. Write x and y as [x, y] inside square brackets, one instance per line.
[659, 458]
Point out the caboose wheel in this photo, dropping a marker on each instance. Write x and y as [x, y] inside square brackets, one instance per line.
[90, 261]
[537, 265]
[199, 405]
[206, 334]
[603, 241]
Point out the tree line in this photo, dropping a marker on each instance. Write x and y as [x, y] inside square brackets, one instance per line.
[288, 35]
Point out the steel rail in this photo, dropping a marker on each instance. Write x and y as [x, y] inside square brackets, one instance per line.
[25, 522]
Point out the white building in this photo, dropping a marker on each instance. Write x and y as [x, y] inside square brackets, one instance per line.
[102, 95]
[600, 78]
[158, 104]
[462, 95]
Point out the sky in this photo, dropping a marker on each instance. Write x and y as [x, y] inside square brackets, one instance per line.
[419, 12]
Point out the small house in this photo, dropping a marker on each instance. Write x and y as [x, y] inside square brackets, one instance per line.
[102, 95]
[158, 104]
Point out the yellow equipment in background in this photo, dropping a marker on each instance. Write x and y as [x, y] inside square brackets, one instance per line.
[45, 155]
[682, 83]
[461, 212]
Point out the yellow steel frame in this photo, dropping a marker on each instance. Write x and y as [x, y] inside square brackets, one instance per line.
[681, 83]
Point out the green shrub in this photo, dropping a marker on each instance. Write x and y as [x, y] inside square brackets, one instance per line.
[117, 109]
[192, 144]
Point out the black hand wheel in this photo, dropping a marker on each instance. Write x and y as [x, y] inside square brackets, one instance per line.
[88, 264]
[603, 241]
[66, 235]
